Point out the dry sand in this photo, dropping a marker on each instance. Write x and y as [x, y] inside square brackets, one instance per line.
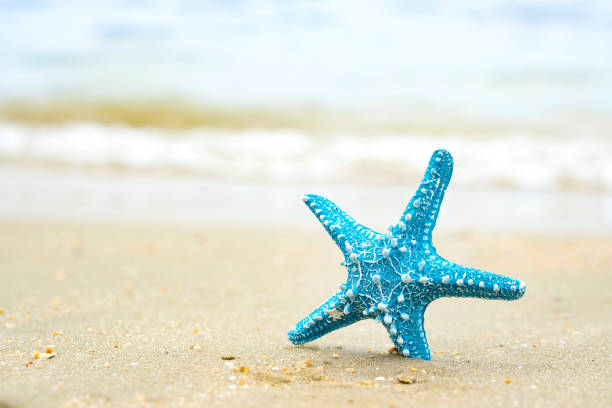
[140, 315]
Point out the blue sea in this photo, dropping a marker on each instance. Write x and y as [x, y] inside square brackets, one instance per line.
[501, 59]
[531, 79]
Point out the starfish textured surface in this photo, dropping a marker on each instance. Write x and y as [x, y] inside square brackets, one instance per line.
[393, 277]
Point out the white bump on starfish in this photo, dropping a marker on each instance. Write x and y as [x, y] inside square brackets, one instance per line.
[421, 265]
[459, 282]
[348, 247]
[382, 307]
[349, 293]
[496, 288]
[405, 316]
[399, 340]
[424, 280]
[318, 210]
[481, 285]
[445, 279]
[354, 258]
[347, 309]
[522, 285]
[393, 330]
[413, 242]
[406, 278]
[376, 279]
[470, 282]
[403, 250]
[405, 352]
[388, 319]
[513, 288]
[400, 298]
[386, 252]
[402, 226]
[417, 203]
[394, 242]
[408, 217]
[319, 318]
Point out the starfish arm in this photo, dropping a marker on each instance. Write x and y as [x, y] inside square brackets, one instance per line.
[342, 228]
[331, 315]
[450, 279]
[407, 331]
[420, 215]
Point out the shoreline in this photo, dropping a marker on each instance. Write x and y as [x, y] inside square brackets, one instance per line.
[43, 192]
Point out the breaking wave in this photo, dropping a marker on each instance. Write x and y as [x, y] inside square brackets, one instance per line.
[518, 160]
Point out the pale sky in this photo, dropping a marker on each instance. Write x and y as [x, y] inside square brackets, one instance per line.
[469, 54]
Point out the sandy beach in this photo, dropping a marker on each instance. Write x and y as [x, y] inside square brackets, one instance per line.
[155, 250]
[154, 316]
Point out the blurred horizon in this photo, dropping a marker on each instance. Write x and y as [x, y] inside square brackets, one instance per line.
[235, 96]
[480, 60]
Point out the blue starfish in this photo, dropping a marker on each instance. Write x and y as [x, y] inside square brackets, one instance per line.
[393, 277]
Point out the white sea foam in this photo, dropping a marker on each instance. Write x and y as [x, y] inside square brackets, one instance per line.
[515, 161]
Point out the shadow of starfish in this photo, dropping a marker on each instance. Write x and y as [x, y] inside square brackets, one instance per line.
[393, 277]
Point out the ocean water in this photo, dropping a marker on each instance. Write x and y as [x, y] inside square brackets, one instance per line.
[519, 91]
[256, 177]
[480, 59]
[517, 161]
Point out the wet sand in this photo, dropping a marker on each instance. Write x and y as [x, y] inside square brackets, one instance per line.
[143, 315]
